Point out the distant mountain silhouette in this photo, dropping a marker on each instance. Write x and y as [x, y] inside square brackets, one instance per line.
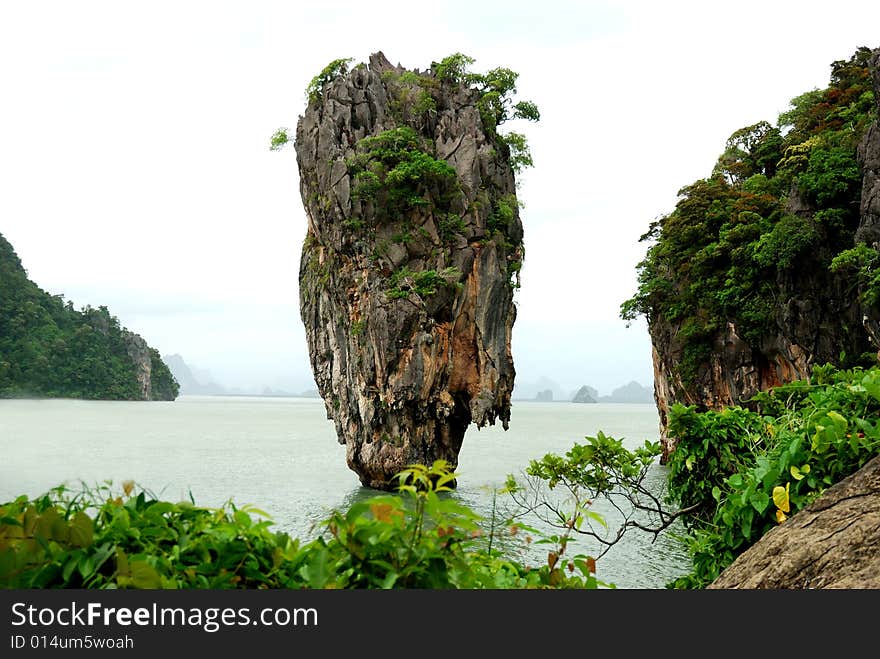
[193, 381]
[632, 392]
[538, 390]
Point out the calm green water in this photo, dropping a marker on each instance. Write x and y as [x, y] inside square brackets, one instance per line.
[281, 455]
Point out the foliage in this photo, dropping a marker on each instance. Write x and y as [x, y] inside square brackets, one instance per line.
[747, 471]
[599, 468]
[423, 283]
[729, 249]
[418, 538]
[50, 349]
[749, 151]
[520, 155]
[864, 261]
[397, 172]
[495, 90]
[279, 139]
[329, 73]
[454, 68]
[787, 243]
[410, 95]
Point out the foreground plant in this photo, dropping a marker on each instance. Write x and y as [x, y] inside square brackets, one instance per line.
[750, 470]
[418, 538]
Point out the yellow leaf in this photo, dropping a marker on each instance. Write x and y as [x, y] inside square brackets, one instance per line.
[780, 497]
[780, 516]
[127, 487]
[795, 473]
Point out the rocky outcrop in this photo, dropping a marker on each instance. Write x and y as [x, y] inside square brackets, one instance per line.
[817, 317]
[409, 264]
[832, 543]
[139, 353]
[585, 394]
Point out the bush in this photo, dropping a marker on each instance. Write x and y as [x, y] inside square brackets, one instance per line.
[750, 471]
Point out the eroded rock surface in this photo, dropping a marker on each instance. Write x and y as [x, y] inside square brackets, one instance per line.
[409, 265]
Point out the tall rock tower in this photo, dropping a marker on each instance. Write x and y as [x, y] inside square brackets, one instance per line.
[411, 258]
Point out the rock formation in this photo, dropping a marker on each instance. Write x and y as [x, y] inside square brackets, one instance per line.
[409, 264]
[586, 394]
[816, 315]
[834, 542]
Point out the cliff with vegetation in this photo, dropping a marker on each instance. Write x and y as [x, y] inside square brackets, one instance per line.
[50, 349]
[412, 255]
[767, 266]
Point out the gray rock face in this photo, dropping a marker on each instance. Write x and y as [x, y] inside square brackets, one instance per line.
[869, 158]
[139, 352]
[406, 278]
[832, 543]
[869, 208]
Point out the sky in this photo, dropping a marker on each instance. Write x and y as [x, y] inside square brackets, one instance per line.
[135, 169]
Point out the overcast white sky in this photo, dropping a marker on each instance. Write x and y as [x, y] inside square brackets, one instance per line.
[136, 173]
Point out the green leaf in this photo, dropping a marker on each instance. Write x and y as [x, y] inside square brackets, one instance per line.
[81, 530]
[872, 386]
[144, 575]
[161, 508]
[242, 519]
[746, 524]
[85, 566]
[759, 501]
[596, 517]
[837, 418]
[316, 571]
[69, 567]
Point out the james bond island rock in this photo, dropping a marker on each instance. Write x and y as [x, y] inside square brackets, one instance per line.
[412, 255]
[832, 543]
[49, 349]
[768, 266]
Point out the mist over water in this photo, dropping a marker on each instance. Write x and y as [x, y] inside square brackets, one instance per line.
[281, 455]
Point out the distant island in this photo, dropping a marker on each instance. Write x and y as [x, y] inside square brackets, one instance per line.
[49, 349]
[632, 392]
[546, 390]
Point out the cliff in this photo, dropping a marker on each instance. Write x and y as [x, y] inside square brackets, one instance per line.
[50, 349]
[764, 268]
[411, 256]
